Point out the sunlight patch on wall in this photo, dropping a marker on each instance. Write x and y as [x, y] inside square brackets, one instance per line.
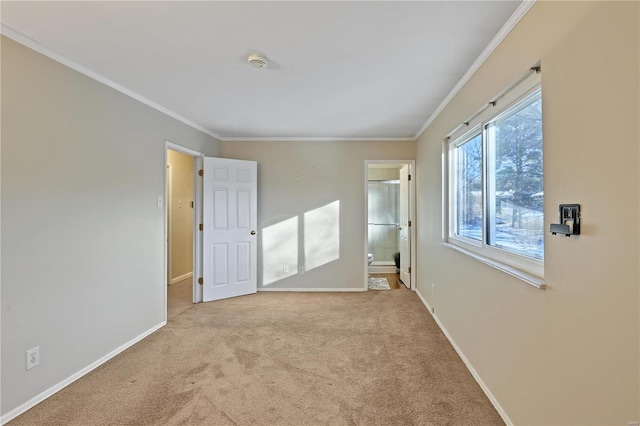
[279, 249]
[322, 235]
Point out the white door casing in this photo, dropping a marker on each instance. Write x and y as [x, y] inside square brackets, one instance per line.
[169, 218]
[229, 228]
[197, 219]
[403, 228]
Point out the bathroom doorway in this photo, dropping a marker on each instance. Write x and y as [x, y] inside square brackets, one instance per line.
[389, 228]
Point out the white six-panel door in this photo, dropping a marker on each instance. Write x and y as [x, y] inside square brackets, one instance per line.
[229, 228]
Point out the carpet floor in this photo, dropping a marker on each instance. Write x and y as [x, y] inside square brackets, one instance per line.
[370, 358]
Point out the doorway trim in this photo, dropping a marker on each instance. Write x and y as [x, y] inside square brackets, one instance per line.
[412, 216]
[167, 202]
[197, 217]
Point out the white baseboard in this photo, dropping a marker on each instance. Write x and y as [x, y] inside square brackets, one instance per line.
[472, 370]
[180, 278]
[305, 290]
[66, 382]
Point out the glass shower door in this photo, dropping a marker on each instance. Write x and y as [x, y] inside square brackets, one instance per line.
[383, 220]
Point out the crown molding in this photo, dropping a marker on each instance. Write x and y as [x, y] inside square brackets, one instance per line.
[495, 42]
[315, 139]
[34, 45]
[38, 47]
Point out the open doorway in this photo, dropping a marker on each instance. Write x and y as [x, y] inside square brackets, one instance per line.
[181, 216]
[225, 191]
[389, 229]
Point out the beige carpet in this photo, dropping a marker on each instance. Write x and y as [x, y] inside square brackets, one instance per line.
[372, 358]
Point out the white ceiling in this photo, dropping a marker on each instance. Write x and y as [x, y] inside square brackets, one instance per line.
[340, 69]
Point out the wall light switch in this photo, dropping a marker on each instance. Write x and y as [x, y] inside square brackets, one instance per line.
[160, 201]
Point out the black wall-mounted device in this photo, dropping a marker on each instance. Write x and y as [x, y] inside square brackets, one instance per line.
[569, 221]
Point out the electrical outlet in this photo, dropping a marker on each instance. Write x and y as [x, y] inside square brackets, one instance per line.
[301, 270]
[433, 310]
[285, 268]
[33, 357]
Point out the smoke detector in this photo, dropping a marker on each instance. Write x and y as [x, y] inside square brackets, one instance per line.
[257, 61]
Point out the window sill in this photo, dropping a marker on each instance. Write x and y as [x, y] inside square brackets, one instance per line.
[521, 275]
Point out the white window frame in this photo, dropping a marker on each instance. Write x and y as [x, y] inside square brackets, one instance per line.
[528, 269]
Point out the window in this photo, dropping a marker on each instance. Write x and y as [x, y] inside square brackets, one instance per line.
[469, 188]
[515, 220]
[496, 194]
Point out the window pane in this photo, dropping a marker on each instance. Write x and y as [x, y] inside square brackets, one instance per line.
[469, 188]
[514, 189]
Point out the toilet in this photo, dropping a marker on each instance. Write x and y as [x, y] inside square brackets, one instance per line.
[370, 258]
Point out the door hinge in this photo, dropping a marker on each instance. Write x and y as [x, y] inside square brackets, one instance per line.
[200, 281]
[409, 223]
[200, 172]
[409, 269]
[409, 177]
[201, 227]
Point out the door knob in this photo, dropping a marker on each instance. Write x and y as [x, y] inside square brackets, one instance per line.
[399, 228]
[253, 232]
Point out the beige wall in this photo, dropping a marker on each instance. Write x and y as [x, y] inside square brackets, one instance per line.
[313, 178]
[82, 236]
[180, 214]
[568, 354]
